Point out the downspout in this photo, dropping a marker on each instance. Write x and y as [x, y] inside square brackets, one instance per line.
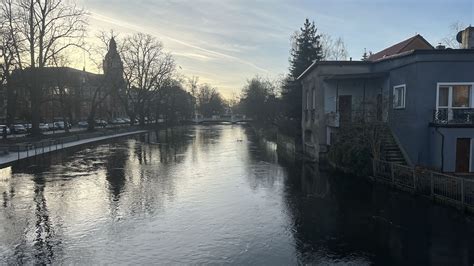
[363, 101]
[442, 148]
[337, 96]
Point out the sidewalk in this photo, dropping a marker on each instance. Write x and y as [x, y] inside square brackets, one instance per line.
[38, 150]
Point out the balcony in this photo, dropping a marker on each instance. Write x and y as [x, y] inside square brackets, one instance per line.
[449, 116]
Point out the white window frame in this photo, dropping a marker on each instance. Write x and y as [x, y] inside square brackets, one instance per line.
[402, 106]
[450, 85]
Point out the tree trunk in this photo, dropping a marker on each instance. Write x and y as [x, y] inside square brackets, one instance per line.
[11, 102]
[35, 96]
[91, 119]
[142, 119]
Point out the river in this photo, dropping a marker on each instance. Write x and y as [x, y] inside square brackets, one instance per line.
[214, 194]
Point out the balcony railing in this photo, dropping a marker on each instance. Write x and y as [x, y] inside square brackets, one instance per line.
[453, 116]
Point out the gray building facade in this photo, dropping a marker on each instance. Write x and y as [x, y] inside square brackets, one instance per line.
[425, 97]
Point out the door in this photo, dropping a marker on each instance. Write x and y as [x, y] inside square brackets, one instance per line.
[345, 109]
[463, 155]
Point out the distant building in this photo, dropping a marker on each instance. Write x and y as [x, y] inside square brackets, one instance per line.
[68, 93]
[424, 96]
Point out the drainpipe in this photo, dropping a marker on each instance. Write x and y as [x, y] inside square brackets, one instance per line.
[337, 96]
[442, 148]
[363, 101]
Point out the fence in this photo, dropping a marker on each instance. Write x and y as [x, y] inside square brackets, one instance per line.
[30, 149]
[449, 189]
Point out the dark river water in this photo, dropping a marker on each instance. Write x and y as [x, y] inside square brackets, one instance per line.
[218, 195]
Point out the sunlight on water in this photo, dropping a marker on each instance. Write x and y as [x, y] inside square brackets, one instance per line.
[5, 173]
[207, 194]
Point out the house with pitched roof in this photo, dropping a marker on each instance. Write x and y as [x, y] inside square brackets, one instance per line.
[423, 95]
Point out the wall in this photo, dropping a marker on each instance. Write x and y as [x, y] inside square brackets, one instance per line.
[411, 124]
[315, 79]
[450, 139]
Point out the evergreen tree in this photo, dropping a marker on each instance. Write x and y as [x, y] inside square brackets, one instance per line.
[306, 48]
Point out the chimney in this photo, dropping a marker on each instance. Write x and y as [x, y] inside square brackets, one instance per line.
[466, 38]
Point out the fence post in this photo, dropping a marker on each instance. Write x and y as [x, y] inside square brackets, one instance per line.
[432, 184]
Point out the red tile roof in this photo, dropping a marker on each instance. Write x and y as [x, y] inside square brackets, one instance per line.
[415, 42]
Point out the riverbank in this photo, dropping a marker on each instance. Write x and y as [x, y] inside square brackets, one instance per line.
[25, 150]
[287, 143]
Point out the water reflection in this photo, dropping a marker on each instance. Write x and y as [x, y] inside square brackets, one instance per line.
[213, 194]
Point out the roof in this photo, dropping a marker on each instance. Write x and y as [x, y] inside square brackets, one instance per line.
[340, 63]
[415, 42]
[354, 75]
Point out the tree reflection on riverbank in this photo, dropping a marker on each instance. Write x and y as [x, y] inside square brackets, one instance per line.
[213, 194]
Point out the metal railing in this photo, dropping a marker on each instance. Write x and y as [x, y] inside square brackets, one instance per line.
[453, 116]
[446, 188]
[29, 149]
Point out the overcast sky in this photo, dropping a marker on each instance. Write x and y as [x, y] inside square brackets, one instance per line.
[225, 42]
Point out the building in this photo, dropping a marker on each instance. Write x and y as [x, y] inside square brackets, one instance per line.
[424, 96]
[69, 94]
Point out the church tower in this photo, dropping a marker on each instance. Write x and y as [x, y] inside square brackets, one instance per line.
[113, 66]
[113, 75]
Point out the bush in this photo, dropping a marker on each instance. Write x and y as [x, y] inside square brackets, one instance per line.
[352, 149]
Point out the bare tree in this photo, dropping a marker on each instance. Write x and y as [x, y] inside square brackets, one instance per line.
[209, 101]
[10, 49]
[450, 40]
[333, 49]
[146, 68]
[46, 28]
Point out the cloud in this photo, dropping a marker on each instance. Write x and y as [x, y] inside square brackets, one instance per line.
[130, 26]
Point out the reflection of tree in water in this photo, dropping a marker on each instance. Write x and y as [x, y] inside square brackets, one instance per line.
[46, 244]
[141, 175]
[115, 170]
[172, 144]
[44, 231]
[263, 168]
[207, 135]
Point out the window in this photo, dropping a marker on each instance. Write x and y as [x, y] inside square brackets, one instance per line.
[314, 98]
[443, 100]
[399, 94]
[461, 96]
[454, 96]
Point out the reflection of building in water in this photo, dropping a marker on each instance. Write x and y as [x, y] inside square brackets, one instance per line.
[314, 182]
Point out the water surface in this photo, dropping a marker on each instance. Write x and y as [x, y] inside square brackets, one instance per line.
[213, 194]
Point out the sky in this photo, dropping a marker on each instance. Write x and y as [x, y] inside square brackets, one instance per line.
[227, 42]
